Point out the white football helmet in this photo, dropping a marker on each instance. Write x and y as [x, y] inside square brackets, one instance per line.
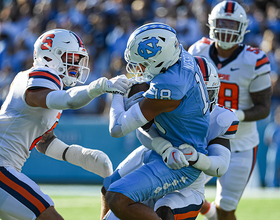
[227, 37]
[153, 45]
[52, 45]
[211, 79]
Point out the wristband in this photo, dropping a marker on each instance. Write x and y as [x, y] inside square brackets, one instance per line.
[203, 162]
[240, 115]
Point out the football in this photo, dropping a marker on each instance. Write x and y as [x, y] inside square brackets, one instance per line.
[138, 88]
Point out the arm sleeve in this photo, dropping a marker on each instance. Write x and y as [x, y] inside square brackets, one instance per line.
[73, 98]
[260, 83]
[123, 122]
[220, 158]
[76, 97]
[146, 137]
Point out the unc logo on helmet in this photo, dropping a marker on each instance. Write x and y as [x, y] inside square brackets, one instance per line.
[148, 48]
[154, 46]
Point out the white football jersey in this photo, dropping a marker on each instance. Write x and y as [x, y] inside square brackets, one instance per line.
[22, 126]
[246, 65]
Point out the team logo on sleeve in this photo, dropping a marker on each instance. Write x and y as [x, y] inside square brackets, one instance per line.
[148, 48]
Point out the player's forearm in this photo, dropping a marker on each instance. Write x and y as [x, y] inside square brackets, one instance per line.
[76, 97]
[261, 108]
[256, 113]
[45, 141]
[220, 159]
[123, 122]
[146, 137]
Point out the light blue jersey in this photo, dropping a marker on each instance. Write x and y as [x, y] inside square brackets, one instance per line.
[189, 122]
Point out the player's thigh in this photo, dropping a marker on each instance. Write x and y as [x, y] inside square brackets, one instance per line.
[232, 184]
[20, 197]
[184, 204]
[154, 180]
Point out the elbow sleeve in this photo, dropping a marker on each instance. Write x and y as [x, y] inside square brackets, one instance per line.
[73, 98]
[123, 122]
[220, 159]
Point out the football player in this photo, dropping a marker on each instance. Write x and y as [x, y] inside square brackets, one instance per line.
[245, 88]
[177, 101]
[223, 126]
[31, 112]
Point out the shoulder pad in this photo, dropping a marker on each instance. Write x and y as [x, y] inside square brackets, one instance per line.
[226, 118]
[255, 56]
[44, 69]
[45, 74]
[200, 45]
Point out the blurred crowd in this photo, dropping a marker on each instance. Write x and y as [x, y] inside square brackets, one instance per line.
[105, 26]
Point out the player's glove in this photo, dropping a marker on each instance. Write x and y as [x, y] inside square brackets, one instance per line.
[118, 85]
[189, 152]
[172, 157]
[196, 159]
[128, 102]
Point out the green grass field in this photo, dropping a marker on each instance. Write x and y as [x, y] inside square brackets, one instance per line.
[88, 207]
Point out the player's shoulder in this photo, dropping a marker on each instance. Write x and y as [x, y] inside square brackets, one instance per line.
[227, 120]
[254, 56]
[225, 117]
[202, 44]
[43, 69]
[43, 75]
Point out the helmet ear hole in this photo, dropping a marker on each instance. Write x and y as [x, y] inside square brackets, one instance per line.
[159, 65]
[162, 38]
[47, 59]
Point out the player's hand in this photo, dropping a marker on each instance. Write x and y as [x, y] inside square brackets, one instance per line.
[128, 102]
[174, 158]
[189, 153]
[118, 85]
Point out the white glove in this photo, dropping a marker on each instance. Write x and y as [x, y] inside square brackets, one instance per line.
[201, 161]
[137, 97]
[189, 152]
[118, 85]
[172, 157]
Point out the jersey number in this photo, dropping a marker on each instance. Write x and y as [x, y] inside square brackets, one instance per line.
[205, 101]
[228, 95]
